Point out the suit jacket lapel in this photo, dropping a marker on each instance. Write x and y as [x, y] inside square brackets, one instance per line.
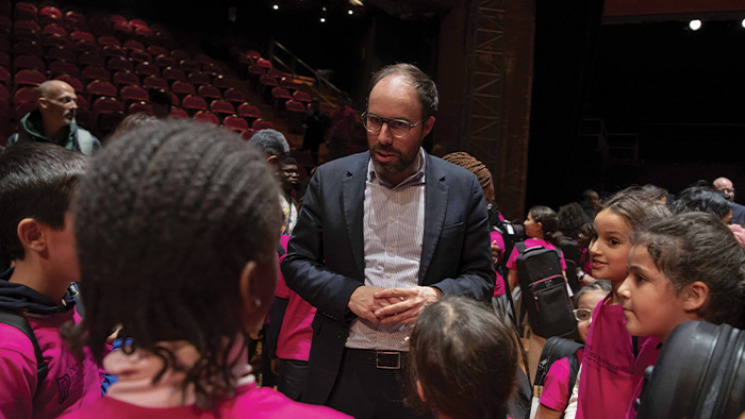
[436, 202]
[353, 198]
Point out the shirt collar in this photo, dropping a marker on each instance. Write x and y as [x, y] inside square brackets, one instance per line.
[415, 179]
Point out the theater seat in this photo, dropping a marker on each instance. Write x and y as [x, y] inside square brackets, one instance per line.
[205, 116]
[235, 123]
[29, 78]
[106, 105]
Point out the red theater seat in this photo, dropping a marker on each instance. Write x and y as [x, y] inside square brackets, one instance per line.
[107, 105]
[235, 123]
[32, 62]
[29, 78]
[72, 81]
[222, 107]
[25, 95]
[93, 72]
[134, 93]
[152, 82]
[125, 78]
[183, 88]
[209, 92]
[174, 74]
[140, 107]
[204, 116]
[63, 67]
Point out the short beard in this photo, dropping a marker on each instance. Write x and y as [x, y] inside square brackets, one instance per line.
[391, 169]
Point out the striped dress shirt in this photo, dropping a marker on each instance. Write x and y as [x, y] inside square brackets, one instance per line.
[393, 227]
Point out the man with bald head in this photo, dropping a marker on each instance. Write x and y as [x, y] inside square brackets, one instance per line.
[725, 186]
[382, 234]
[53, 120]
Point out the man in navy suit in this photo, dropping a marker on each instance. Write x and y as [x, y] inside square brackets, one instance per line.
[382, 234]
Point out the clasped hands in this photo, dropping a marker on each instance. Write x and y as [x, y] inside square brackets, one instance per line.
[391, 305]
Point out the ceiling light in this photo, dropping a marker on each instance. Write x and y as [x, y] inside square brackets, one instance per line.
[695, 24]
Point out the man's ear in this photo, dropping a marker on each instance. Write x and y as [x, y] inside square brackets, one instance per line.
[32, 235]
[427, 126]
[42, 102]
[694, 296]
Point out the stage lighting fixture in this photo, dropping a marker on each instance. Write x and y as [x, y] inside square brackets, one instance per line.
[695, 24]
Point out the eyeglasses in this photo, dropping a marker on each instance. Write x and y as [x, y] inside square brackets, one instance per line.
[398, 127]
[582, 314]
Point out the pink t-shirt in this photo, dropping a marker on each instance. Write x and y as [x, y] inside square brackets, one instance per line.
[69, 384]
[296, 332]
[610, 373]
[648, 353]
[249, 402]
[529, 243]
[556, 388]
[499, 285]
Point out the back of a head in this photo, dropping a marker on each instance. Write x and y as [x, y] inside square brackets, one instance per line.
[634, 206]
[703, 199]
[464, 359]
[166, 221]
[549, 222]
[36, 181]
[270, 142]
[571, 219]
[470, 163]
[696, 246]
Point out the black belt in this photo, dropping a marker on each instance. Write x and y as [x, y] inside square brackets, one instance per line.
[385, 360]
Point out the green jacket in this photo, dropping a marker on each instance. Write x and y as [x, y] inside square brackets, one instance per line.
[77, 138]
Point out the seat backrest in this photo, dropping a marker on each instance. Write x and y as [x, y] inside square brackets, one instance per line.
[25, 95]
[101, 88]
[108, 40]
[222, 107]
[197, 77]
[147, 69]
[247, 110]
[63, 67]
[72, 81]
[137, 56]
[235, 123]
[125, 77]
[194, 102]
[171, 74]
[153, 82]
[28, 61]
[140, 107]
[205, 116]
[134, 93]
[211, 92]
[165, 60]
[29, 78]
[119, 63]
[295, 106]
[105, 105]
[93, 72]
[183, 88]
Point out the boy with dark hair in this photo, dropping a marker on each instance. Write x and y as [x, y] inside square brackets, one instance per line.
[39, 377]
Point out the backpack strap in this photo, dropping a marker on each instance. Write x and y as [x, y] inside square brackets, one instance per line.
[520, 246]
[21, 323]
[573, 371]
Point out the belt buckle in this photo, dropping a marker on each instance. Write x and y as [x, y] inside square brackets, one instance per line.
[388, 360]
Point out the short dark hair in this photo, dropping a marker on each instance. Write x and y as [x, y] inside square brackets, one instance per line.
[271, 142]
[696, 246]
[464, 357]
[168, 217]
[37, 180]
[160, 97]
[289, 160]
[425, 87]
[697, 198]
[549, 223]
[571, 219]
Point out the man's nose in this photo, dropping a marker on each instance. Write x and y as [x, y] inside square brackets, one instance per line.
[385, 136]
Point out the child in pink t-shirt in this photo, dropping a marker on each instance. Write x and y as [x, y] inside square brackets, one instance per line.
[176, 226]
[295, 336]
[556, 389]
[688, 267]
[462, 361]
[614, 361]
[36, 184]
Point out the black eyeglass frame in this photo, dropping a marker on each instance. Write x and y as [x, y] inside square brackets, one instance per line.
[386, 121]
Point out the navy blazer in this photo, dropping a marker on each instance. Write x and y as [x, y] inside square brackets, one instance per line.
[325, 256]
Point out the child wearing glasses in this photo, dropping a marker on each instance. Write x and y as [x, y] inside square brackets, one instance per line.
[556, 388]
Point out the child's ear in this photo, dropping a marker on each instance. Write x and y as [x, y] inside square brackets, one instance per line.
[695, 296]
[256, 293]
[420, 390]
[32, 235]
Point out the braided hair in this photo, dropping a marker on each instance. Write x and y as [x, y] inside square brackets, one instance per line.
[166, 221]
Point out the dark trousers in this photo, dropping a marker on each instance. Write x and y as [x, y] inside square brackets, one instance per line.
[293, 375]
[367, 392]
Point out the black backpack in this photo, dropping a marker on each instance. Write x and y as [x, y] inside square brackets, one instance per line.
[544, 292]
[555, 349]
[699, 374]
[511, 235]
[21, 323]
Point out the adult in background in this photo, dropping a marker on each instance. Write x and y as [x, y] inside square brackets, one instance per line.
[290, 177]
[382, 234]
[53, 120]
[725, 186]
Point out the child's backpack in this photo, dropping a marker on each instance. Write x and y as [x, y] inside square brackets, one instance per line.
[21, 323]
[544, 292]
[555, 349]
[699, 374]
[511, 234]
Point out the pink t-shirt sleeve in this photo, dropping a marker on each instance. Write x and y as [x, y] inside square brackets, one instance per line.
[281, 291]
[512, 261]
[17, 374]
[556, 388]
[499, 287]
